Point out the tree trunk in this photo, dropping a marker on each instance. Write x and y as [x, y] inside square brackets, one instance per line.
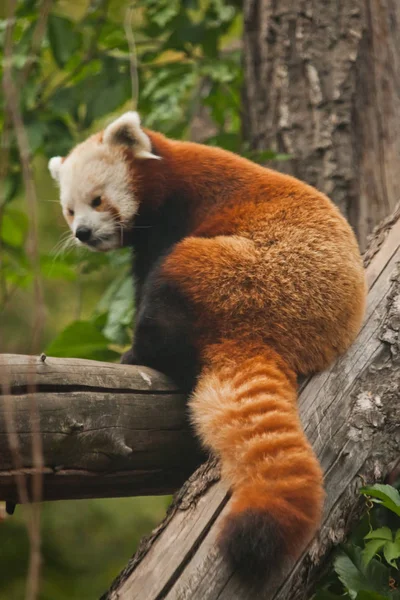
[322, 84]
[351, 415]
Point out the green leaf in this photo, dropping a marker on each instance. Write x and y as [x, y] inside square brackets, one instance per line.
[66, 99]
[28, 7]
[56, 268]
[58, 139]
[371, 549]
[113, 37]
[93, 262]
[64, 41]
[357, 577]
[36, 133]
[263, 156]
[120, 314]
[81, 339]
[9, 187]
[16, 261]
[190, 4]
[228, 140]
[117, 302]
[219, 71]
[107, 96]
[383, 533]
[100, 321]
[386, 495]
[160, 13]
[110, 293]
[18, 60]
[14, 227]
[391, 552]
[163, 16]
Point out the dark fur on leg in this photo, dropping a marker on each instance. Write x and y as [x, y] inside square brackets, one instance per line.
[129, 358]
[164, 332]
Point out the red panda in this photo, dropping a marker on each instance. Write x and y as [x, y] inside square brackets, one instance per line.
[245, 278]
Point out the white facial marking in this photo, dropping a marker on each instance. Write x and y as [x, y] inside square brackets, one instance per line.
[93, 170]
[54, 167]
[97, 168]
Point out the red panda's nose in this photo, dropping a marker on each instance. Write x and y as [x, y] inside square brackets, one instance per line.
[83, 234]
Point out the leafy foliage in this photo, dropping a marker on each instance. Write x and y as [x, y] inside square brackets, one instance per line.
[383, 539]
[366, 568]
[188, 63]
[384, 495]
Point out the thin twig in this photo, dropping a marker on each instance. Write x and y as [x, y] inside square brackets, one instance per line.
[37, 39]
[133, 62]
[12, 101]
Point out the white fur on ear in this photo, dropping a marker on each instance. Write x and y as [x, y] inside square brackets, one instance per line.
[126, 131]
[55, 166]
[146, 154]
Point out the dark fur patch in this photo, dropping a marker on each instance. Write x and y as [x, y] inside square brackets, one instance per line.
[154, 235]
[164, 321]
[164, 331]
[124, 135]
[254, 544]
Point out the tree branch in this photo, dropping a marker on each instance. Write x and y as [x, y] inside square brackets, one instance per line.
[107, 430]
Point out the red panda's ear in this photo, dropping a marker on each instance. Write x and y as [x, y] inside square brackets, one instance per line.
[126, 131]
[54, 167]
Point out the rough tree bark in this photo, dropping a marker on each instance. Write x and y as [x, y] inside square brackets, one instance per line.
[351, 414]
[322, 83]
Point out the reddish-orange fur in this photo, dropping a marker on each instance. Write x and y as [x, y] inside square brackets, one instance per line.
[274, 276]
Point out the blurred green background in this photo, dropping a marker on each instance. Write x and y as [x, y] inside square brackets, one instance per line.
[85, 544]
[75, 81]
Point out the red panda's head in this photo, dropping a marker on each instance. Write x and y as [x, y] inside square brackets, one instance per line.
[96, 192]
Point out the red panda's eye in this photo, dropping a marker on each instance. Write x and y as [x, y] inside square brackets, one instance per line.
[71, 212]
[96, 201]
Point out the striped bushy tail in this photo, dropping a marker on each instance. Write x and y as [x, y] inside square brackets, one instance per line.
[245, 410]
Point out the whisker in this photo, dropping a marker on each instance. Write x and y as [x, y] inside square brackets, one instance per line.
[62, 245]
[56, 247]
[60, 242]
[62, 253]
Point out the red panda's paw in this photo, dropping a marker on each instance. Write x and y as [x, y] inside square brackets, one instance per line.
[254, 545]
[128, 358]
